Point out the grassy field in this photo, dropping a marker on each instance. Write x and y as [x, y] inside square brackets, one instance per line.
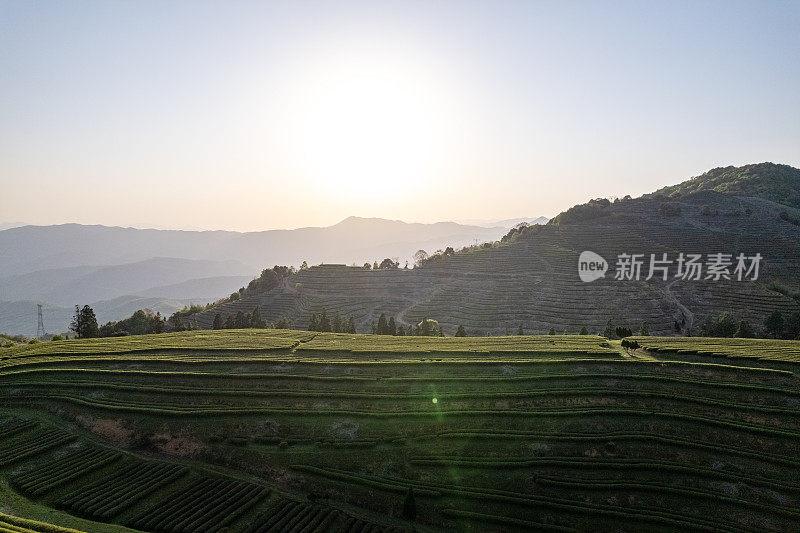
[276, 430]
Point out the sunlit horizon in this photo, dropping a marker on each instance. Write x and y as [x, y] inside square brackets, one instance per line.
[269, 116]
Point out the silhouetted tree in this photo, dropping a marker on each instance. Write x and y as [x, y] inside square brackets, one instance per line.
[383, 326]
[391, 328]
[792, 326]
[519, 330]
[774, 324]
[351, 325]
[584, 331]
[230, 323]
[461, 332]
[623, 332]
[388, 264]
[217, 324]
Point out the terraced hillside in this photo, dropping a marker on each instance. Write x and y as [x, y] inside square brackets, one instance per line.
[279, 430]
[532, 279]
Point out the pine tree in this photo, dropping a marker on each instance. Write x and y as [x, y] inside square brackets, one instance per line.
[392, 327]
[461, 332]
[217, 322]
[584, 331]
[88, 324]
[351, 326]
[324, 323]
[229, 322]
[313, 323]
[519, 331]
[242, 321]
[609, 332]
[255, 319]
[383, 327]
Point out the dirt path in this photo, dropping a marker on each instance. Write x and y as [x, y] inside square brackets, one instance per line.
[687, 314]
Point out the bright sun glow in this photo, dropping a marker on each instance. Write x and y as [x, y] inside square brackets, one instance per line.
[368, 127]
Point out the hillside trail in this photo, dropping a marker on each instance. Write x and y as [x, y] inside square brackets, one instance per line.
[298, 343]
[687, 314]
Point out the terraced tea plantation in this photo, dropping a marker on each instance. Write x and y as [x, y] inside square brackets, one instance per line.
[275, 430]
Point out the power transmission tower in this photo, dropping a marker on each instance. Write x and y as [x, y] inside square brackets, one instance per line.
[40, 332]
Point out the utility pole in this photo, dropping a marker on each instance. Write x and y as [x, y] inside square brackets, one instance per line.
[40, 332]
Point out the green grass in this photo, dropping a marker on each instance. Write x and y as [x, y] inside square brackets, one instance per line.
[756, 349]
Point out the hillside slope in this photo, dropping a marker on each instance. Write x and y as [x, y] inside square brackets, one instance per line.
[531, 280]
[292, 431]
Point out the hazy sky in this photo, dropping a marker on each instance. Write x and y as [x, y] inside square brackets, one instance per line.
[239, 115]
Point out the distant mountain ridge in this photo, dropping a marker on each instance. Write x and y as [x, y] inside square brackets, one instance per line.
[72, 263]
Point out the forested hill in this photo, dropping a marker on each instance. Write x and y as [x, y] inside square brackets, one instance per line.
[777, 183]
[530, 278]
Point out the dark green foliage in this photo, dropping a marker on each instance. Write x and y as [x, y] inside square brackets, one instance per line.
[552, 331]
[584, 331]
[583, 213]
[792, 326]
[744, 331]
[644, 331]
[256, 321]
[723, 326]
[324, 322]
[410, 505]
[520, 331]
[630, 345]
[336, 324]
[284, 323]
[241, 321]
[778, 183]
[142, 322]
[774, 325]
[230, 323]
[461, 332]
[383, 327]
[217, 324]
[84, 323]
[610, 332]
[622, 332]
